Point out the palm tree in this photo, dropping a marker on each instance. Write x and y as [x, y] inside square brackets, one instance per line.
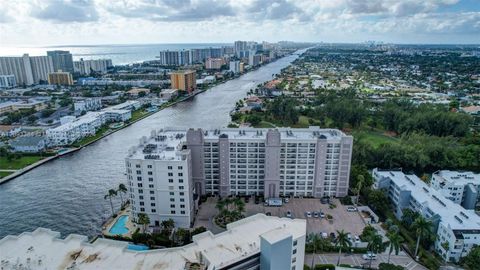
[342, 242]
[375, 244]
[314, 239]
[395, 242]
[144, 220]
[422, 228]
[360, 179]
[122, 189]
[168, 225]
[111, 193]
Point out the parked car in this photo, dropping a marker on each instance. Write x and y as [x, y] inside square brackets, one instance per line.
[351, 209]
[268, 214]
[257, 200]
[247, 199]
[286, 200]
[289, 214]
[357, 239]
[315, 214]
[332, 235]
[308, 214]
[322, 215]
[325, 200]
[369, 256]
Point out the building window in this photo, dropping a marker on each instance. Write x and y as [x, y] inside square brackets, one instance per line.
[150, 179]
[154, 210]
[180, 167]
[152, 192]
[182, 193]
[181, 187]
[170, 167]
[139, 178]
[295, 251]
[152, 204]
[142, 209]
[180, 180]
[295, 243]
[172, 212]
[171, 193]
[182, 205]
[149, 166]
[137, 166]
[172, 205]
[170, 174]
[170, 180]
[182, 212]
[139, 172]
[150, 186]
[150, 173]
[180, 174]
[152, 198]
[172, 199]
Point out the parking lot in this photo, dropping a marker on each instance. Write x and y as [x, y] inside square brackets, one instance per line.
[350, 222]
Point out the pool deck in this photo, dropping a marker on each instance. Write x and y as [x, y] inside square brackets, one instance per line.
[129, 224]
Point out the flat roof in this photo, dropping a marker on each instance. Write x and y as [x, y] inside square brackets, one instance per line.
[161, 145]
[457, 217]
[310, 133]
[43, 248]
[457, 177]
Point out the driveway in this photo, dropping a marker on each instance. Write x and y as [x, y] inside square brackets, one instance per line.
[357, 260]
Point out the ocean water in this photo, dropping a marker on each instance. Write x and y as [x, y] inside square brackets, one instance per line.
[120, 54]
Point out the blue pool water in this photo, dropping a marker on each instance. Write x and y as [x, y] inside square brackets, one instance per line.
[119, 226]
[137, 247]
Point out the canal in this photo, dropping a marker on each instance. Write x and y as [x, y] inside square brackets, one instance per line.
[66, 195]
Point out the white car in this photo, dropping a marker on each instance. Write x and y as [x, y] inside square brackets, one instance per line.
[286, 200]
[357, 239]
[308, 214]
[369, 256]
[351, 209]
[289, 214]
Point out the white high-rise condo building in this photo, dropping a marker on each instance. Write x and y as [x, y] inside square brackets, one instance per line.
[461, 187]
[235, 66]
[86, 67]
[27, 69]
[457, 229]
[171, 165]
[255, 242]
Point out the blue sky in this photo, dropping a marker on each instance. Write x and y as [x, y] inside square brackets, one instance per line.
[57, 22]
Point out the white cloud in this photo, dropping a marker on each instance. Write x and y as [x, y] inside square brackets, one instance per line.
[38, 22]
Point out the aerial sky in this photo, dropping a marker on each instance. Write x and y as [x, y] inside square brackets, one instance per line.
[86, 22]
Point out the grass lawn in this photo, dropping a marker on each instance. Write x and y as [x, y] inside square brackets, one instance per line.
[375, 138]
[18, 163]
[3, 174]
[137, 114]
[264, 124]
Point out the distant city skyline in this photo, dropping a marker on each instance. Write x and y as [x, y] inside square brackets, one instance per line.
[90, 22]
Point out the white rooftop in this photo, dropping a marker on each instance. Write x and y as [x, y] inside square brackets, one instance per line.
[311, 133]
[43, 249]
[457, 217]
[459, 178]
[161, 145]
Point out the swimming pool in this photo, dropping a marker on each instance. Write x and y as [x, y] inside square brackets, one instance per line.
[119, 226]
[137, 247]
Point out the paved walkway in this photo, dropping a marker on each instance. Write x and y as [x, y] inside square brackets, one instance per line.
[357, 260]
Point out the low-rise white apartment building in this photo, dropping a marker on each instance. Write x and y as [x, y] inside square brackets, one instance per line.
[87, 104]
[256, 242]
[72, 130]
[460, 187]
[457, 229]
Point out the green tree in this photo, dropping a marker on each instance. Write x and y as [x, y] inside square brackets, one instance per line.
[143, 220]
[395, 241]
[423, 229]
[472, 259]
[122, 189]
[375, 245]
[167, 226]
[111, 194]
[342, 242]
